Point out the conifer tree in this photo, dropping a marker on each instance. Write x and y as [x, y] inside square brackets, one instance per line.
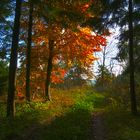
[13, 62]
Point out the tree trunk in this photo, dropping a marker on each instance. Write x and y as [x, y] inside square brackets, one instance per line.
[103, 67]
[131, 61]
[28, 59]
[49, 70]
[13, 62]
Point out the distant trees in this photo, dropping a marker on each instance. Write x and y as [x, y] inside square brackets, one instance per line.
[104, 79]
[3, 77]
[102, 69]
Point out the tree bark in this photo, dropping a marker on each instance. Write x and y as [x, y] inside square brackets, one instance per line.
[49, 70]
[103, 67]
[131, 61]
[28, 59]
[13, 62]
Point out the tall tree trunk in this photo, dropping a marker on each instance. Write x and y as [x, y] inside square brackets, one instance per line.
[103, 67]
[49, 70]
[13, 62]
[131, 61]
[28, 58]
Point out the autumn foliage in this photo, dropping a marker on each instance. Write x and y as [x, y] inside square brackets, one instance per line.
[72, 45]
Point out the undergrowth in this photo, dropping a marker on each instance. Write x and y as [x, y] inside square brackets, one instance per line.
[122, 125]
[67, 117]
[119, 122]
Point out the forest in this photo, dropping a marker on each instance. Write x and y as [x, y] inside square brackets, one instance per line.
[69, 70]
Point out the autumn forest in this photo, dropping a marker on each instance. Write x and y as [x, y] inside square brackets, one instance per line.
[69, 70]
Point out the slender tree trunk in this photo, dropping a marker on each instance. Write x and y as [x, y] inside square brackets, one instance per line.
[103, 67]
[131, 61]
[49, 70]
[28, 59]
[13, 62]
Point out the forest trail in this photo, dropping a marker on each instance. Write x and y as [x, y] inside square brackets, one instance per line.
[97, 131]
[97, 127]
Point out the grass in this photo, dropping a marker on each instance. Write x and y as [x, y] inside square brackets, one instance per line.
[66, 118]
[120, 124]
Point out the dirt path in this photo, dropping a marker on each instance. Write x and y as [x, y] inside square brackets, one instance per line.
[97, 127]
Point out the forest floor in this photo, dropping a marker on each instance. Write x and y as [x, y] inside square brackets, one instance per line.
[77, 114]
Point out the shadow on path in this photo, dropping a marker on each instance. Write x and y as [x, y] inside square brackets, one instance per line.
[72, 126]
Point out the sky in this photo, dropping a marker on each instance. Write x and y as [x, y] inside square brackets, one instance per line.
[111, 52]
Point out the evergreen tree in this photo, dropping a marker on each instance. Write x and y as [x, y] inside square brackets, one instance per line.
[13, 62]
[131, 60]
[125, 14]
[6, 11]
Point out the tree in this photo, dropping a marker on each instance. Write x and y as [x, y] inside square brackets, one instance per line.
[104, 83]
[131, 60]
[28, 57]
[49, 69]
[13, 62]
[125, 14]
[53, 16]
[102, 66]
[60, 44]
[69, 48]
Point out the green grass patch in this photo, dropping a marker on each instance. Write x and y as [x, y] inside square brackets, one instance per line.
[120, 124]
